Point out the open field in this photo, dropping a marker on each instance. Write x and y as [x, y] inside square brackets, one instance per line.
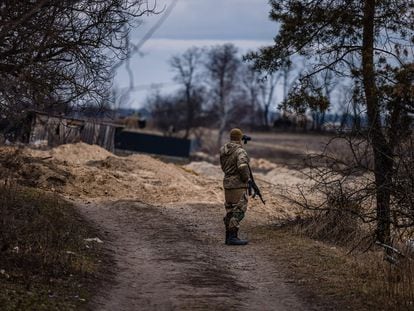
[282, 148]
[286, 148]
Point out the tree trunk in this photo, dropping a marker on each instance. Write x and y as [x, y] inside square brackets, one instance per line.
[383, 161]
[222, 128]
[189, 119]
[223, 118]
[314, 120]
[266, 117]
[322, 120]
[356, 119]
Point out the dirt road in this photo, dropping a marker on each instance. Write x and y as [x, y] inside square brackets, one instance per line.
[170, 255]
[173, 258]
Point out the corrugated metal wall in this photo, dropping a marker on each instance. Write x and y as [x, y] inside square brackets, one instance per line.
[154, 144]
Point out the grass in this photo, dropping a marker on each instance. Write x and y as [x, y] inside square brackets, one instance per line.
[328, 274]
[45, 264]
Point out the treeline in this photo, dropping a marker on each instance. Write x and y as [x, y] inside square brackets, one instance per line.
[219, 88]
[216, 89]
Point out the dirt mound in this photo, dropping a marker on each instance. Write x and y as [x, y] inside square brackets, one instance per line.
[16, 165]
[205, 169]
[112, 163]
[86, 172]
[273, 179]
[262, 164]
[269, 172]
[91, 172]
[79, 153]
[202, 156]
[282, 175]
[136, 177]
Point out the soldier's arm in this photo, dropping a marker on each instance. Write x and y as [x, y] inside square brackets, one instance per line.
[242, 165]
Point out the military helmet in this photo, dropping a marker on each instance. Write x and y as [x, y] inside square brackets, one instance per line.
[236, 134]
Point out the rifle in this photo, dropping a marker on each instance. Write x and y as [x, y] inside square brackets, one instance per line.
[252, 186]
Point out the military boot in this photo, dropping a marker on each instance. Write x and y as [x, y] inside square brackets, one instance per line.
[234, 240]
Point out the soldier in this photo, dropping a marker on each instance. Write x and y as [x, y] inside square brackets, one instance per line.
[234, 163]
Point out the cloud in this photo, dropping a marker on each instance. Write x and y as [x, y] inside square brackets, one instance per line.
[202, 23]
[180, 45]
[153, 67]
[214, 19]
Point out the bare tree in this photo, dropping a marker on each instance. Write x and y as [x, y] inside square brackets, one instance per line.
[303, 98]
[267, 91]
[260, 90]
[186, 68]
[222, 66]
[54, 53]
[322, 84]
[167, 112]
[289, 74]
[250, 79]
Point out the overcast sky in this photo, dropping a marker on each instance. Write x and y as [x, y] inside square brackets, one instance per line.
[244, 23]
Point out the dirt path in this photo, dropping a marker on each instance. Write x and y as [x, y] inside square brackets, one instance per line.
[173, 258]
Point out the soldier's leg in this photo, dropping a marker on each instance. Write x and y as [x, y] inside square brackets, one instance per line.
[227, 218]
[232, 197]
[236, 203]
[233, 218]
[237, 213]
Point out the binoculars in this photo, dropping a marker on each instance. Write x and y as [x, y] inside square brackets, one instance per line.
[246, 138]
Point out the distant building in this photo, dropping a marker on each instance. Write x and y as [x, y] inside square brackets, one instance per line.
[52, 131]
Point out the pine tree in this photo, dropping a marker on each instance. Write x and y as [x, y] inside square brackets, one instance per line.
[359, 39]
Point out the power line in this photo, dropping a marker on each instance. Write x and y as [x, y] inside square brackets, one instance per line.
[138, 46]
[154, 28]
[143, 87]
[148, 34]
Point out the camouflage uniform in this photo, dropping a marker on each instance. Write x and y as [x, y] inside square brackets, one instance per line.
[234, 163]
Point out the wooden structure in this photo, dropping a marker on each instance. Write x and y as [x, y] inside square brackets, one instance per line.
[57, 130]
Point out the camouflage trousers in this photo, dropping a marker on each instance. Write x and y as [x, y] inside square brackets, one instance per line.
[235, 211]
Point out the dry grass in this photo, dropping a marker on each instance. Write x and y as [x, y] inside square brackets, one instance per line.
[328, 274]
[400, 283]
[334, 252]
[44, 261]
[278, 147]
[337, 226]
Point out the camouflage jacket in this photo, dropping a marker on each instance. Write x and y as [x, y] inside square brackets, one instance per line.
[234, 161]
